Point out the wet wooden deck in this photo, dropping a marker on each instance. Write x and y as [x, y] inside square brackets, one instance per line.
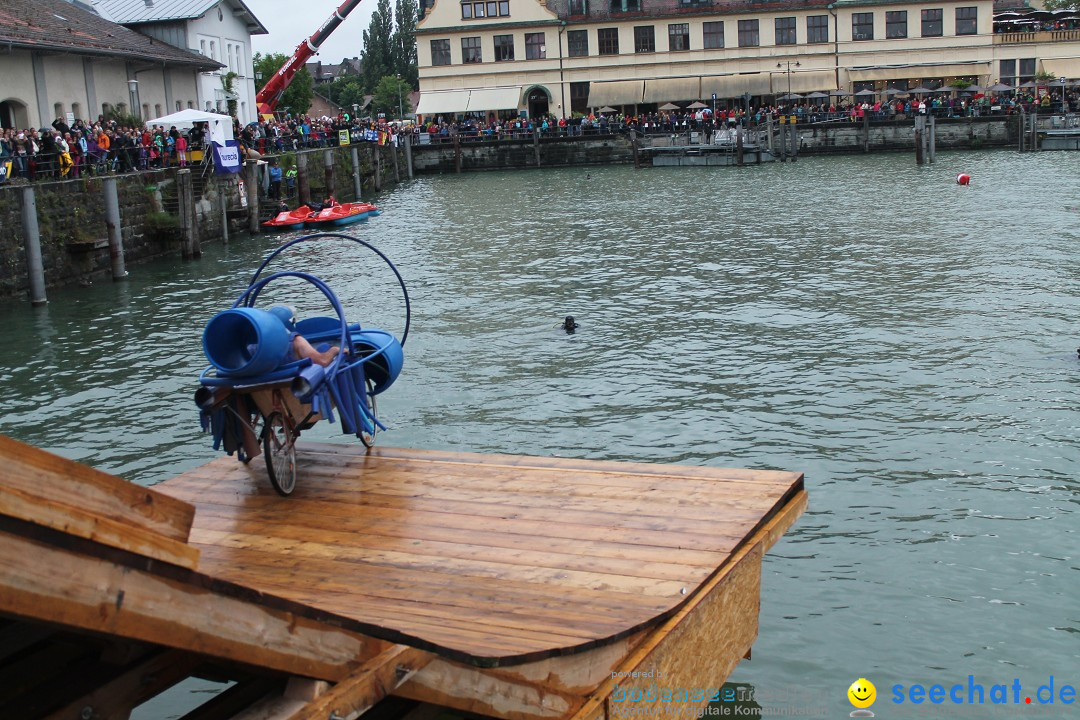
[486, 560]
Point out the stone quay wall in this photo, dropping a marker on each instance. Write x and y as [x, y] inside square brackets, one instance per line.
[73, 234]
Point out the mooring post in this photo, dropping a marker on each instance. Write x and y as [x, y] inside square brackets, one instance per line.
[189, 231]
[769, 129]
[224, 210]
[251, 185]
[866, 132]
[782, 133]
[920, 124]
[378, 167]
[536, 147]
[328, 171]
[794, 139]
[1022, 126]
[457, 153]
[303, 192]
[1034, 144]
[394, 155]
[931, 138]
[112, 224]
[32, 243]
[408, 155]
[633, 148]
[739, 147]
[357, 187]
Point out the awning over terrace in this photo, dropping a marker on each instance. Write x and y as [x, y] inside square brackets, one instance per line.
[615, 93]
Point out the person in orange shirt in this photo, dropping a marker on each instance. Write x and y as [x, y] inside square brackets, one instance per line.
[102, 139]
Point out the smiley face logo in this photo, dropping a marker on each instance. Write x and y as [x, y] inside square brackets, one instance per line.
[862, 693]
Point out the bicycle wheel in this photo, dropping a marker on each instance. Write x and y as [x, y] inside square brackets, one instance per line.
[280, 453]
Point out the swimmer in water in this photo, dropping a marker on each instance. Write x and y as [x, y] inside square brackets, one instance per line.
[570, 325]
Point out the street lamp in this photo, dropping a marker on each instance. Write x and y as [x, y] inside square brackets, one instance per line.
[133, 90]
[399, 113]
[788, 63]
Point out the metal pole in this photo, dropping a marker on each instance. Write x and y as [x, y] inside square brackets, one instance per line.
[932, 138]
[112, 223]
[224, 213]
[408, 155]
[251, 185]
[32, 244]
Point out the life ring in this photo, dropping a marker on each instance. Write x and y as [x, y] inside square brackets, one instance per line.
[963, 179]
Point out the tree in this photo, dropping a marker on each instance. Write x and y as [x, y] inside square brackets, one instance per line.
[405, 63]
[391, 96]
[298, 95]
[1062, 4]
[378, 58]
[346, 91]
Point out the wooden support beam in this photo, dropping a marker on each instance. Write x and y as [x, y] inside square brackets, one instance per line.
[116, 699]
[367, 685]
[46, 583]
[39, 475]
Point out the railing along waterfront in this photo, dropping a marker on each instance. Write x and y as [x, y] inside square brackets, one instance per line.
[1039, 36]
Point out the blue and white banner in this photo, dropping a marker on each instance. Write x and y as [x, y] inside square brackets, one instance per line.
[371, 135]
[227, 158]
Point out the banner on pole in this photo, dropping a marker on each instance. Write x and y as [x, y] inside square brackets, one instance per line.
[227, 158]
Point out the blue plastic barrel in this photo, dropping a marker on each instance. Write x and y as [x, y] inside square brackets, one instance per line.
[245, 342]
[384, 367]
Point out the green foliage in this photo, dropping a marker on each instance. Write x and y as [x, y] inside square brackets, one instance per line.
[1044, 78]
[297, 97]
[161, 226]
[346, 91]
[1062, 4]
[391, 94]
[227, 82]
[404, 42]
[124, 119]
[378, 57]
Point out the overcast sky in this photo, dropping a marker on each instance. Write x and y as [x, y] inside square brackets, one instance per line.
[292, 21]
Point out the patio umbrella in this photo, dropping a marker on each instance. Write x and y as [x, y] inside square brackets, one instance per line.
[894, 91]
[920, 89]
[974, 88]
[697, 105]
[865, 93]
[608, 108]
[790, 96]
[817, 95]
[999, 87]
[669, 106]
[1029, 84]
[840, 93]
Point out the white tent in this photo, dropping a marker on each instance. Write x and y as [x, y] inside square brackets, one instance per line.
[220, 125]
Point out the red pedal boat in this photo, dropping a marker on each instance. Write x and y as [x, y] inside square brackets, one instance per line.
[342, 214]
[291, 220]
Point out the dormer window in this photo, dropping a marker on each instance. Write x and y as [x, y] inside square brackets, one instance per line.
[488, 9]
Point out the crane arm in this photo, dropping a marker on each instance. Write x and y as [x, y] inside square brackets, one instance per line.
[268, 98]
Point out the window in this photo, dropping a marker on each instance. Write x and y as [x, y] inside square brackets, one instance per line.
[202, 47]
[493, 8]
[608, 41]
[644, 39]
[625, 5]
[1027, 70]
[58, 110]
[712, 35]
[535, 46]
[478, 10]
[577, 43]
[213, 50]
[785, 31]
[895, 24]
[504, 8]
[470, 50]
[579, 96]
[749, 36]
[967, 19]
[504, 47]
[180, 106]
[190, 104]
[678, 35]
[931, 23]
[1007, 72]
[817, 29]
[579, 7]
[157, 110]
[440, 52]
[76, 110]
[862, 26]
[466, 11]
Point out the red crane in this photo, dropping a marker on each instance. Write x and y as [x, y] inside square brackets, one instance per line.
[267, 98]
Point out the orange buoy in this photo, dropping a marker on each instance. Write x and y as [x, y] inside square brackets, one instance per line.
[963, 179]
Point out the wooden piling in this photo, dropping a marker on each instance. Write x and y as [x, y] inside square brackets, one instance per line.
[394, 155]
[112, 224]
[794, 138]
[357, 186]
[303, 190]
[457, 153]
[378, 167]
[920, 128]
[35, 268]
[408, 155]
[739, 147]
[328, 171]
[931, 139]
[189, 229]
[251, 185]
[866, 133]
[221, 188]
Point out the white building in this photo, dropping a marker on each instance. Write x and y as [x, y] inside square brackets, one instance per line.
[61, 58]
[220, 30]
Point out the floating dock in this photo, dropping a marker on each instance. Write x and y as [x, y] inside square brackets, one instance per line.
[505, 586]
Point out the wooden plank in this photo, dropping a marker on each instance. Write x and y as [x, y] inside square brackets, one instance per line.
[244, 694]
[46, 583]
[365, 686]
[118, 697]
[39, 474]
[717, 616]
[77, 521]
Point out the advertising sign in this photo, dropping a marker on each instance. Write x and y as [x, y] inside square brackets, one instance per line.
[227, 158]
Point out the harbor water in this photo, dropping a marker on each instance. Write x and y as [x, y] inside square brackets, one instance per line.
[907, 343]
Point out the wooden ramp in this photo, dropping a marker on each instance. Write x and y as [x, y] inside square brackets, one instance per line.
[507, 586]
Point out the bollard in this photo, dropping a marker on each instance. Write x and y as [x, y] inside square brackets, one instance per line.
[866, 132]
[378, 167]
[189, 231]
[920, 124]
[739, 147]
[32, 244]
[408, 156]
[112, 223]
[794, 139]
[536, 147]
[328, 171]
[303, 192]
[224, 212]
[393, 154]
[357, 187]
[457, 153]
[251, 185]
[782, 132]
[931, 139]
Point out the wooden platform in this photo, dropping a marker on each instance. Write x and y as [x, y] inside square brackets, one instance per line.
[484, 559]
[512, 587]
